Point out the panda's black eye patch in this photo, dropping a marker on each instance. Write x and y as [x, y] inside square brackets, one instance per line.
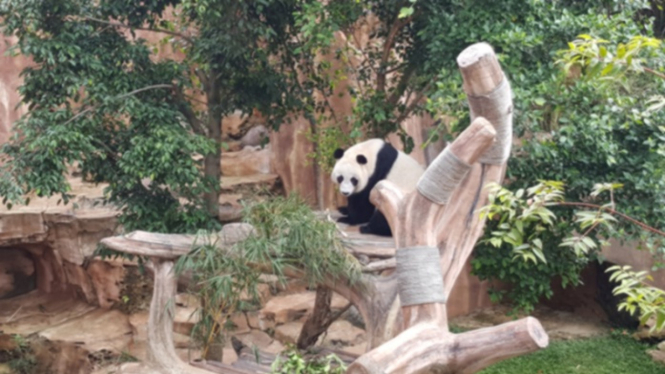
[340, 179]
[361, 159]
[354, 181]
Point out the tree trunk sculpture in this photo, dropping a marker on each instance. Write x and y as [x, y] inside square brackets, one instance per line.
[435, 229]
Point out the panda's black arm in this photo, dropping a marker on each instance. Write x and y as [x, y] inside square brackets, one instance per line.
[359, 209]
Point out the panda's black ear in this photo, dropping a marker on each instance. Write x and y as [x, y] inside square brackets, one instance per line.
[339, 152]
[362, 160]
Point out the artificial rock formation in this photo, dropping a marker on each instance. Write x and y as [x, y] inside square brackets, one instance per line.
[54, 241]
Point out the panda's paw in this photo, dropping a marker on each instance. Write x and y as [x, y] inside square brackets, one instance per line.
[343, 210]
[346, 220]
[365, 229]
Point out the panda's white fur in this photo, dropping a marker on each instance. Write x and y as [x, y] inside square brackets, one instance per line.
[357, 171]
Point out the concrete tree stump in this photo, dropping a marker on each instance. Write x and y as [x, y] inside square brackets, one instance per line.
[435, 229]
[163, 251]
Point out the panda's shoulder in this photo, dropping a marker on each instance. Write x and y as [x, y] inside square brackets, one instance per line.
[369, 146]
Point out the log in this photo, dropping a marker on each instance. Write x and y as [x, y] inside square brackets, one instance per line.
[465, 353]
[440, 220]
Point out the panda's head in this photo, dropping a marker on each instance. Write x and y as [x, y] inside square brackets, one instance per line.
[355, 166]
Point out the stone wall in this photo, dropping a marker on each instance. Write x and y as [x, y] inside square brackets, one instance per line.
[44, 246]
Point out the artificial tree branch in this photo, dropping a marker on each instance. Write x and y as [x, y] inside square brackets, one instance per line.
[435, 230]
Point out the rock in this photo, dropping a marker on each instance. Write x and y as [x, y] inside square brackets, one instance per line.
[248, 161]
[257, 135]
[237, 124]
[661, 346]
[58, 357]
[59, 238]
[287, 308]
[185, 318]
[292, 285]
[230, 209]
[235, 232]
[263, 181]
[657, 355]
[229, 355]
[187, 354]
[17, 273]
[260, 340]
[36, 311]
[181, 341]
[288, 332]
[353, 315]
[255, 321]
[187, 300]
[263, 292]
[240, 323]
[290, 147]
[97, 330]
[341, 334]
[106, 279]
[139, 323]
[356, 350]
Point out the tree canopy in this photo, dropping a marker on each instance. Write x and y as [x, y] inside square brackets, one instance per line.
[101, 96]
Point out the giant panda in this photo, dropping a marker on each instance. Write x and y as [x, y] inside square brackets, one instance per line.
[359, 168]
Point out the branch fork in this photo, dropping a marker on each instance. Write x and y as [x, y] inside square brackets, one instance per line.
[442, 214]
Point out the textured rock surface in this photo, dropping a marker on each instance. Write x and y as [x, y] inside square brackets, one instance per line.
[288, 308]
[17, 273]
[98, 330]
[58, 238]
[248, 161]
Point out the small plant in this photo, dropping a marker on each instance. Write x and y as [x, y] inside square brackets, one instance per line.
[295, 363]
[24, 361]
[288, 237]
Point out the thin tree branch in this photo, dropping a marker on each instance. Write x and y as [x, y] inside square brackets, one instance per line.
[94, 107]
[189, 114]
[401, 86]
[407, 111]
[654, 72]
[119, 24]
[614, 212]
[397, 25]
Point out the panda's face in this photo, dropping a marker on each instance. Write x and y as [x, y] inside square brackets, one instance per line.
[351, 172]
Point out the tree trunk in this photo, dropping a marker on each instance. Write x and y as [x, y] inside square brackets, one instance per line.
[212, 163]
[320, 319]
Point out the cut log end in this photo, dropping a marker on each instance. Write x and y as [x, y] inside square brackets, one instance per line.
[474, 141]
[537, 333]
[480, 69]
[474, 53]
